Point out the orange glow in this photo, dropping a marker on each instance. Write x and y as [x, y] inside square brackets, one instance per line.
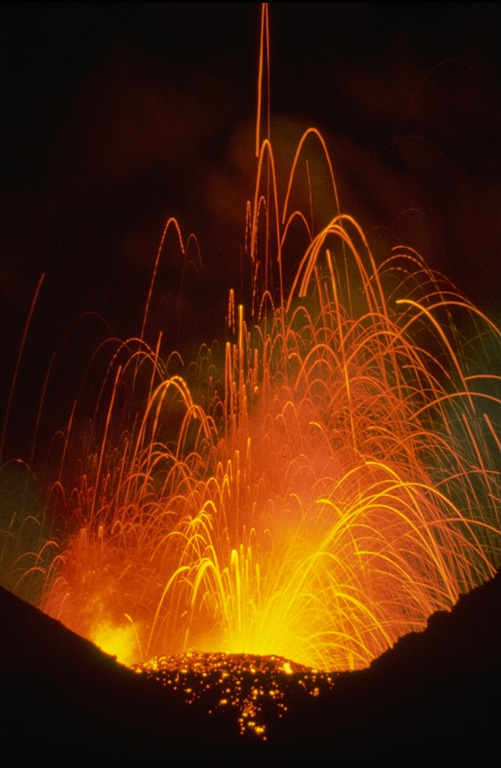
[316, 487]
[330, 492]
[115, 640]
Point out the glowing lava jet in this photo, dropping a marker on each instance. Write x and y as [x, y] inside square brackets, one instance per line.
[316, 487]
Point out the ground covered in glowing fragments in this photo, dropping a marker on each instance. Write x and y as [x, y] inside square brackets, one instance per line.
[429, 700]
[255, 687]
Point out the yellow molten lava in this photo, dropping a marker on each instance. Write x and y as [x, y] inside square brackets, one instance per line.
[337, 488]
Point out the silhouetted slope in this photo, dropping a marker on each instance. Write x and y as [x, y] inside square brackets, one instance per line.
[430, 700]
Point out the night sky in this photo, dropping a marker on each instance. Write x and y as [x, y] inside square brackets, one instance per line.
[116, 116]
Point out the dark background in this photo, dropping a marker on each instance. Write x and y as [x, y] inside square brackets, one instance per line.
[116, 116]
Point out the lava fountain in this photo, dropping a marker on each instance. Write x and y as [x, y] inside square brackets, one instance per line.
[314, 487]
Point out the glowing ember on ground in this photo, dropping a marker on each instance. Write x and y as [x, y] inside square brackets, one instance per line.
[255, 687]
